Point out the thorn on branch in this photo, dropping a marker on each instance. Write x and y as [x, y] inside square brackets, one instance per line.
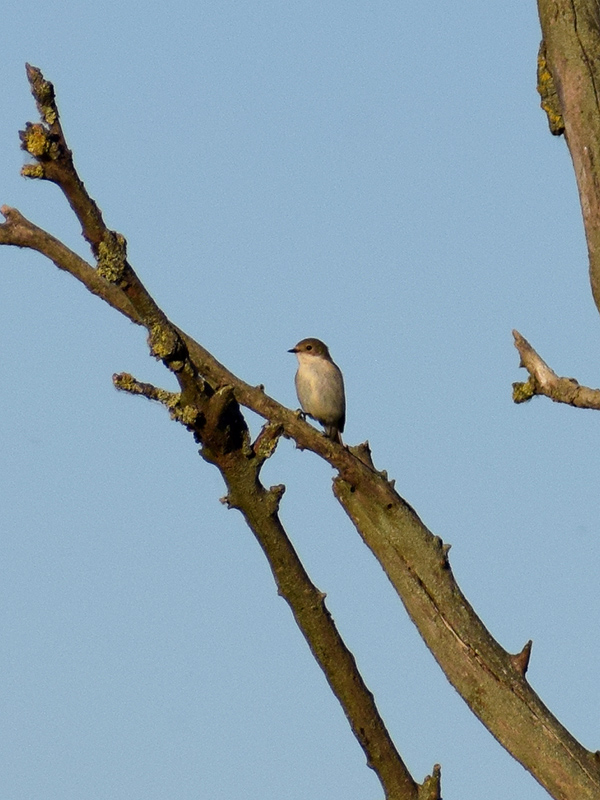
[273, 496]
[230, 502]
[521, 660]
[275, 493]
[363, 453]
[443, 549]
[431, 788]
[11, 215]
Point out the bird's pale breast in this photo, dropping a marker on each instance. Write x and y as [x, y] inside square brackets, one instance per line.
[320, 389]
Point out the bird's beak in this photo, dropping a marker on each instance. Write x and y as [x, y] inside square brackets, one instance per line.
[293, 350]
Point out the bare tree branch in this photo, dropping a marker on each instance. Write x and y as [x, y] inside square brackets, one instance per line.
[569, 85]
[19, 231]
[544, 381]
[54, 161]
[571, 36]
[491, 680]
[208, 406]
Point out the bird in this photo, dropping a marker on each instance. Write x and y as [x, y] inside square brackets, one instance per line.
[320, 387]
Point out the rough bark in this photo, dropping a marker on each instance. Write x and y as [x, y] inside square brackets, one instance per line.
[491, 680]
[569, 85]
[544, 381]
[208, 406]
[571, 39]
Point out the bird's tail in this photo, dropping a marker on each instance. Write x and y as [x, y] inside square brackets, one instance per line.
[333, 433]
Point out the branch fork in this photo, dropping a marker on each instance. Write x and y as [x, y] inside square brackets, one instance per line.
[544, 381]
[490, 679]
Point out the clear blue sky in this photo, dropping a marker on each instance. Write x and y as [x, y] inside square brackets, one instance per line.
[375, 174]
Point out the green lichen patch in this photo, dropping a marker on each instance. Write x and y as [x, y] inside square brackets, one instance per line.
[36, 140]
[522, 392]
[33, 171]
[112, 255]
[550, 102]
[163, 341]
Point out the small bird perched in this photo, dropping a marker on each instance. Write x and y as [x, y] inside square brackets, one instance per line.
[320, 386]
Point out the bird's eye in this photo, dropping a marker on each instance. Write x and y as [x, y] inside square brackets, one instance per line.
[309, 346]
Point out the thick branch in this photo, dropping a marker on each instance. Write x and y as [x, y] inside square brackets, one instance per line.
[544, 381]
[571, 33]
[490, 679]
[259, 507]
[208, 407]
[19, 231]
